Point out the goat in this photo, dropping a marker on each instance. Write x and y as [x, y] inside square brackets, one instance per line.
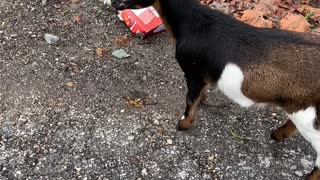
[249, 65]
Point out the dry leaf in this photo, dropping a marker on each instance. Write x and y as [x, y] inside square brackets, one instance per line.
[255, 18]
[139, 103]
[101, 52]
[295, 22]
[122, 40]
[81, 19]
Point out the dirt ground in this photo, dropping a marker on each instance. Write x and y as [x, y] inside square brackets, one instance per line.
[63, 115]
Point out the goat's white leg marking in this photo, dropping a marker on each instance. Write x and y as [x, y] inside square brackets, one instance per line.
[230, 84]
[304, 121]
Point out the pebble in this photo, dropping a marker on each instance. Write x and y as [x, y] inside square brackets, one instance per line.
[131, 138]
[120, 54]
[156, 122]
[44, 2]
[122, 110]
[306, 163]
[51, 39]
[298, 173]
[107, 2]
[169, 142]
[13, 35]
[293, 167]
[183, 175]
[144, 172]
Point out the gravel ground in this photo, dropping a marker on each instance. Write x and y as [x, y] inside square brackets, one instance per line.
[63, 115]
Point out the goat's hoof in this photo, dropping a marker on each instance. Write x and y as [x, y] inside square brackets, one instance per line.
[183, 124]
[278, 135]
[315, 174]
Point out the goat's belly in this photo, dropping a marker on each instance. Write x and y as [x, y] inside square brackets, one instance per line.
[230, 84]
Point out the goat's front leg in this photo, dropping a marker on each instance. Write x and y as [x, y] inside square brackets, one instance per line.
[196, 94]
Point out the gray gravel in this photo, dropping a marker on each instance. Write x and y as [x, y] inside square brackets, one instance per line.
[50, 129]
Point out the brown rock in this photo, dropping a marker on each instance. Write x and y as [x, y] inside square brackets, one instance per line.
[255, 18]
[295, 22]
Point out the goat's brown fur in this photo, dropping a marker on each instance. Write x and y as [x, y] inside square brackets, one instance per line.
[287, 75]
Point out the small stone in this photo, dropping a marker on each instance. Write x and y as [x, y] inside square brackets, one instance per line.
[107, 2]
[144, 172]
[120, 54]
[144, 78]
[44, 2]
[156, 122]
[131, 138]
[210, 158]
[13, 35]
[51, 39]
[298, 173]
[169, 142]
[122, 110]
[306, 163]
[33, 36]
[183, 174]
[228, 167]
[69, 84]
[293, 167]
[274, 114]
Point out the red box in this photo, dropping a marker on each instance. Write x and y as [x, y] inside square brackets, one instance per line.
[143, 22]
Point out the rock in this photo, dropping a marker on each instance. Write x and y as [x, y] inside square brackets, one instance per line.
[44, 2]
[120, 54]
[13, 35]
[169, 142]
[51, 39]
[255, 18]
[107, 2]
[144, 172]
[299, 173]
[295, 22]
[306, 163]
[293, 167]
[131, 138]
[183, 175]
[69, 84]
[156, 122]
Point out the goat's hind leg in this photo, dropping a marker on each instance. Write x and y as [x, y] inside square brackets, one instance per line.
[305, 120]
[196, 87]
[284, 132]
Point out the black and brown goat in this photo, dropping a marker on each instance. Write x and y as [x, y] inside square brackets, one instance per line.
[249, 65]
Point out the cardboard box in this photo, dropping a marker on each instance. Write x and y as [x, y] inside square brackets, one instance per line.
[143, 22]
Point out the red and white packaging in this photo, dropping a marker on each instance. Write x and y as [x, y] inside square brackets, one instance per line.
[143, 22]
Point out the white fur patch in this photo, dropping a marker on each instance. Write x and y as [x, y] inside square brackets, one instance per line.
[182, 117]
[304, 121]
[230, 84]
